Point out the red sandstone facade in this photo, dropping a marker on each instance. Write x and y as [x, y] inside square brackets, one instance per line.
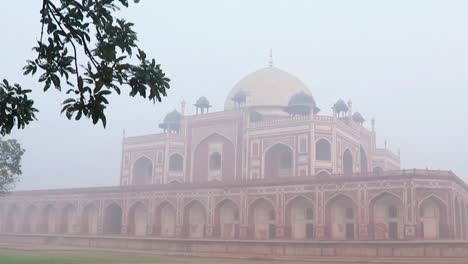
[263, 169]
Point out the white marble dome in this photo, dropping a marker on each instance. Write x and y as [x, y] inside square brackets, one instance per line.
[267, 87]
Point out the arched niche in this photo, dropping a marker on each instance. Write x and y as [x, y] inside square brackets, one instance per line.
[364, 163]
[262, 220]
[31, 221]
[49, 219]
[113, 220]
[279, 161]
[89, 223]
[142, 172]
[137, 219]
[12, 222]
[227, 219]
[68, 220]
[176, 163]
[323, 150]
[300, 218]
[387, 217]
[347, 163]
[195, 220]
[165, 220]
[341, 218]
[203, 159]
[433, 219]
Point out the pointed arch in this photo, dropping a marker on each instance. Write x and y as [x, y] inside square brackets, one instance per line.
[433, 218]
[341, 217]
[278, 161]
[137, 219]
[323, 150]
[261, 219]
[165, 219]
[68, 220]
[227, 219]
[49, 219]
[30, 223]
[364, 163]
[113, 219]
[195, 219]
[387, 216]
[300, 218]
[89, 223]
[142, 171]
[348, 163]
[12, 222]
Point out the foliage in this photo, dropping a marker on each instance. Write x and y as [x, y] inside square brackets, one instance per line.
[85, 48]
[10, 163]
[15, 107]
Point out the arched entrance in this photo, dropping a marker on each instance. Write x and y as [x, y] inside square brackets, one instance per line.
[113, 220]
[142, 171]
[165, 225]
[387, 218]
[300, 218]
[137, 219]
[433, 219]
[262, 220]
[227, 219]
[279, 161]
[195, 220]
[90, 220]
[68, 219]
[347, 163]
[341, 218]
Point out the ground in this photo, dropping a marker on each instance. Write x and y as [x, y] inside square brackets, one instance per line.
[9, 256]
[51, 257]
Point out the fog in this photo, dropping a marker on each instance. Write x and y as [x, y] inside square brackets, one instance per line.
[403, 62]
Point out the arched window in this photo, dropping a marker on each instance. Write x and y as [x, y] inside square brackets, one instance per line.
[215, 161]
[347, 163]
[323, 150]
[142, 171]
[176, 162]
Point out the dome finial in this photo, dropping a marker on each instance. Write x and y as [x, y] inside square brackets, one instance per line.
[270, 62]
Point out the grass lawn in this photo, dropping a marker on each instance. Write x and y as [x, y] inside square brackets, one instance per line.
[39, 257]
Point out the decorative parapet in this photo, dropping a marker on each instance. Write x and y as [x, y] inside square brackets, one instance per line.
[280, 121]
[152, 138]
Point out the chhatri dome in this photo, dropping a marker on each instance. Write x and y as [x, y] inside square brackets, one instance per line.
[267, 87]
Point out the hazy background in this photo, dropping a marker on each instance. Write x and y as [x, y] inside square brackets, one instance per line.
[403, 62]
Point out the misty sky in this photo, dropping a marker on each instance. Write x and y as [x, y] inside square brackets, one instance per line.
[403, 62]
